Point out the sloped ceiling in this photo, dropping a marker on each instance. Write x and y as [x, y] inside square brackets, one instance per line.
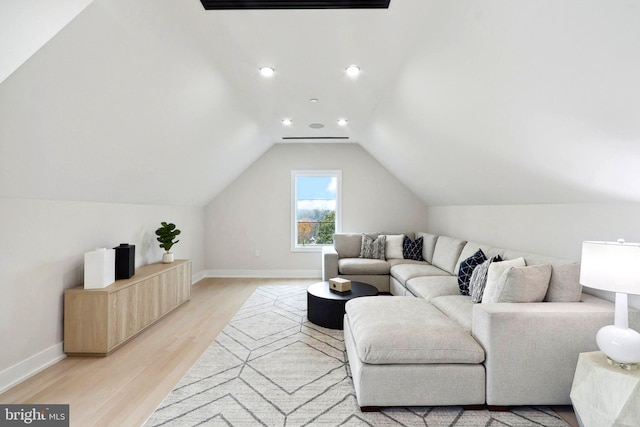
[517, 103]
[28, 24]
[493, 102]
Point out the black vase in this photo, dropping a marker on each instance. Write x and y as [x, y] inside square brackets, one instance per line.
[125, 261]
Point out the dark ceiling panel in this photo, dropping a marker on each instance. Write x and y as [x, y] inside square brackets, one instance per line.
[294, 4]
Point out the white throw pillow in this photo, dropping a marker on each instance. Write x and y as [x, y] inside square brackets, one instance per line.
[525, 284]
[496, 270]
[393, 246]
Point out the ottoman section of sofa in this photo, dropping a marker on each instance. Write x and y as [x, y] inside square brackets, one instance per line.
[404, 351]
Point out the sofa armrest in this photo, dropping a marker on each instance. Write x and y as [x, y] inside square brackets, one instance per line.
[329, 263]
[531, 350]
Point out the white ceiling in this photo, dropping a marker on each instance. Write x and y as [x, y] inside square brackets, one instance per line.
[493, 102]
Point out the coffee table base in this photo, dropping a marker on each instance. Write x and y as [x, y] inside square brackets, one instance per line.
[326, 308]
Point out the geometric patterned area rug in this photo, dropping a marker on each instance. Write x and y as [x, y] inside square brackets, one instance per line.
[271, 367]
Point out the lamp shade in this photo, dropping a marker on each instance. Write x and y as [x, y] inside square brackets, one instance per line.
[611, 266]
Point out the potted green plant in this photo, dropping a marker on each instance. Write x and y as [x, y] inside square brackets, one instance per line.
[166, 235]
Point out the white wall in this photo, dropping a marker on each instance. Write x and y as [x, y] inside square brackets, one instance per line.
[42, 254]
[556, 230]
[254, 212]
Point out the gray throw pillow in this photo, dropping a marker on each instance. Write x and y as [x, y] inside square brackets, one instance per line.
[373, 248]
[493, 288]
[524, 284]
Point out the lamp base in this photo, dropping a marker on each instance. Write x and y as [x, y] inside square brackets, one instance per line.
[621, 345]
[627, 366]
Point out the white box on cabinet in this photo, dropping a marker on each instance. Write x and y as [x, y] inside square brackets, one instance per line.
[99, 268]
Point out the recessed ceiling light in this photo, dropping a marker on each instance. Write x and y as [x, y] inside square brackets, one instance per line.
[313, 100]
[287, 122]
[267, 71]
[342, 122]
[353, 71]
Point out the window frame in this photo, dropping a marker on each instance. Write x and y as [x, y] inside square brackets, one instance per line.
[333, 173]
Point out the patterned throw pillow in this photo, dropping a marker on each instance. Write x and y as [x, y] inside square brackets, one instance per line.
[466, 270]
[479, 279]
[371, 248]
[412, 249]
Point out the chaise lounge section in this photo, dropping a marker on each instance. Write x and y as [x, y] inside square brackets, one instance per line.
[426, 344]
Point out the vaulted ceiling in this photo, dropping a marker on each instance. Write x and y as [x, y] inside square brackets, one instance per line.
[466, 102]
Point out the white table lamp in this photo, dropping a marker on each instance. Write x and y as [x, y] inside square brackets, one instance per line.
[615, 267]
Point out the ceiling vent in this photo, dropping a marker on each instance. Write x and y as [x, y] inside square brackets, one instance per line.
[312, 138]
[294, 4]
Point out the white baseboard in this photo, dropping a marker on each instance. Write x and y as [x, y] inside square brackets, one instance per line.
[19, 372]
[266, 274]
[197, 277]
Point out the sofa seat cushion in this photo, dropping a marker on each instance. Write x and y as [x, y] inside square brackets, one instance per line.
[407, 330]
[457, 307]
[362, 266]
[404, 272]
[398, 261]
[429, 287]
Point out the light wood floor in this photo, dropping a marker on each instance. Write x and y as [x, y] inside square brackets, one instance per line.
[125, 388]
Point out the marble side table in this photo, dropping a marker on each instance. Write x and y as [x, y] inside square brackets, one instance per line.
[605, 395]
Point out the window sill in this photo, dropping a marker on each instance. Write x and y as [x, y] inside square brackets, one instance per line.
[309, 248]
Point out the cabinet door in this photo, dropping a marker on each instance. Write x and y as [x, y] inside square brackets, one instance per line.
[183, 283]
[123, 315]
[85, 329]
[149, 304]
[168, 291]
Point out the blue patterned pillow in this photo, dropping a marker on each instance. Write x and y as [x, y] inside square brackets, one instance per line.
[466, 270]
[412, 249]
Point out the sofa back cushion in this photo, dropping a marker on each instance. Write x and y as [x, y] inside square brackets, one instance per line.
[428, 245]
[471, 248]
[447, 252]
[564, 285]
[348, 245]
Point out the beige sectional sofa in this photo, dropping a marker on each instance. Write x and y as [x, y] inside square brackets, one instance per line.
[425, 344]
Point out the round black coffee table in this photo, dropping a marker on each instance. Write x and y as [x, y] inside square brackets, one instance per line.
[326, 308]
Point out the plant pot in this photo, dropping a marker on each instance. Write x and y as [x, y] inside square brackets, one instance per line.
[167, 257]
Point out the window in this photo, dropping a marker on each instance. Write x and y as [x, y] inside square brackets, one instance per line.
[315, 208]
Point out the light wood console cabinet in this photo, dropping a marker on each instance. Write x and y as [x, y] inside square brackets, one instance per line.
[99, 321]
